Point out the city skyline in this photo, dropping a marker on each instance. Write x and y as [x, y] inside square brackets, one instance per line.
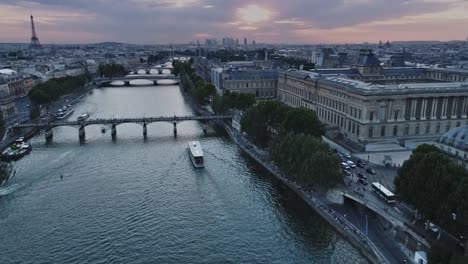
[182, 21]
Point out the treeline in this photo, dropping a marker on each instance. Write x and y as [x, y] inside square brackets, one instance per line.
[200, 90]
[292, 136]
[437, 187]
[50, 91]
[112, 70]
[231, 100]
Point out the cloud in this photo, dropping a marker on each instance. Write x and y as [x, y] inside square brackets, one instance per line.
[175, 21]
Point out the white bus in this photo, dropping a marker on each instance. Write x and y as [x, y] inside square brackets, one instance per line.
[383, 192]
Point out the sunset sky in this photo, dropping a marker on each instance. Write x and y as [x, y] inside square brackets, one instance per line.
[270, 21]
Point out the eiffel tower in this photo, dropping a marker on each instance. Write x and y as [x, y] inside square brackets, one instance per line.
[35, 44]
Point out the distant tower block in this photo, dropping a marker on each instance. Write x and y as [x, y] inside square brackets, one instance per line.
[35, 44]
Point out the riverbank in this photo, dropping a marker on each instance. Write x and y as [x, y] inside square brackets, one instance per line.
[314, 199]
[29, 133]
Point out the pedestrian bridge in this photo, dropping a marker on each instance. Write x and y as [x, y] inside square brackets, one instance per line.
[114, 122]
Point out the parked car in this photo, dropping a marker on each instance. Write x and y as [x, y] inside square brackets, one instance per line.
[371, 171]
[346, 173]
[347, 156]
[345, 166]
[363, 182]
[360, 164]
[351, 164]
[362, 176]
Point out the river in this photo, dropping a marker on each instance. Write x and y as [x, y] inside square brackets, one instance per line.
[141, 201]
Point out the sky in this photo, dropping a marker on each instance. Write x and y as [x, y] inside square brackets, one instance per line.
[266, 21]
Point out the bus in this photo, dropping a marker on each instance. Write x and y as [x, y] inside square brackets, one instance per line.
[383, 192]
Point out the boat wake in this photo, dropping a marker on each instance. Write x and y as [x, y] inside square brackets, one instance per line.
[8, 189]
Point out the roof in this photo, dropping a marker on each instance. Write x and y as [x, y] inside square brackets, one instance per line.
[195, 149]
[7, 71]
[456, 137]
[368, 59]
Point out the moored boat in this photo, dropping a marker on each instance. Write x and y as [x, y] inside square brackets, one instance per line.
[196, 154]
[83, 117]
[64, 112]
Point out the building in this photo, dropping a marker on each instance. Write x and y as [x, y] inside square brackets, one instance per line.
[262, 83]
[245, 77]
[7, 102]
[245, 41]
[368, 103]
[455, 144]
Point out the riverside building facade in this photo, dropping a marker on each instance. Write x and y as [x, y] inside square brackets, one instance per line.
[368, 103]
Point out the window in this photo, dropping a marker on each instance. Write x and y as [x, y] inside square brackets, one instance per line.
[417, 130]
[371, 132]
[448, 127]
[428, 128]
[458, 123]
[371, 116]
[395, 117]
[382, 131]
[438, 128]
[395, 131]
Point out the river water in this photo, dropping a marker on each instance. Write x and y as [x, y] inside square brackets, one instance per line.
[141, 201]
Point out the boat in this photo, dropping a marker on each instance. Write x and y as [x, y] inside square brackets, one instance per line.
[16, 151]
[196, 154]
[64, 112]
[83, 117]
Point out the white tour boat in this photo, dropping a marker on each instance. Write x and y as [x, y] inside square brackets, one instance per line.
[196, 154]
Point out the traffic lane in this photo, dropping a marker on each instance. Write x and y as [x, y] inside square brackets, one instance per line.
[383, 175]
[386, 178]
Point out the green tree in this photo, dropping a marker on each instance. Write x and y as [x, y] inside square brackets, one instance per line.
[303, 120]
[34, 112]
[306, 159]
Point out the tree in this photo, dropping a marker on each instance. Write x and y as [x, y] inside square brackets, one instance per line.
[306, 159]
[302, 120]
[269, 118]
[34, 112]
[437, 187]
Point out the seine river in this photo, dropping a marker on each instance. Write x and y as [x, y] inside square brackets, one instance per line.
[141, 201]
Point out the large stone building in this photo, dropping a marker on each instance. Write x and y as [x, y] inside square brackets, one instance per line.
[245, 77]
[368, 103]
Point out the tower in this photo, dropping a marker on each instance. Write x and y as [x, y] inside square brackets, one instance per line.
[35, 44]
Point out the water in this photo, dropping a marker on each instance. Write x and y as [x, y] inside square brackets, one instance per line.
[137, 201]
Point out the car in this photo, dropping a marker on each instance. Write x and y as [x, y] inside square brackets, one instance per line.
[351, 164]
[344, 166]
[362, 176]
[371, 171]
[360, 164]
[343, 159]
[346, 173]
[347, 155]
[363, 182]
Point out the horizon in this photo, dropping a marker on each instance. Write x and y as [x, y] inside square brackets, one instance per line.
[158, 22]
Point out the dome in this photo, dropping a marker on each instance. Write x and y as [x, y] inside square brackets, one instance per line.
[456, 137]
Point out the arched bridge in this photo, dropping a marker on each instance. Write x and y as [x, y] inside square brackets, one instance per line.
[117, 121]
[126, 79]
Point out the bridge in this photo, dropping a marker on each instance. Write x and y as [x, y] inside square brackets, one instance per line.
[390, 215]
[114, 122]
[152, 69]
[128, 78]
